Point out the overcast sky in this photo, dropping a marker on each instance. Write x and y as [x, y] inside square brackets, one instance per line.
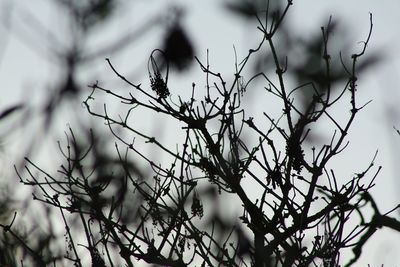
[24, 71]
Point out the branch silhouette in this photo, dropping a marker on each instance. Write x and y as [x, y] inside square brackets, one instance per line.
[293, 209]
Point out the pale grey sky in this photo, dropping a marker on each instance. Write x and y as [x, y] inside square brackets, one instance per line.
[24, 72]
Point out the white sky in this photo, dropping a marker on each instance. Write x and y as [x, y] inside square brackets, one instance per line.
[24, 72]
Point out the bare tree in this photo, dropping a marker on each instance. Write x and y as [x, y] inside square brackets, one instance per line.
[69, 53]
[294, 210]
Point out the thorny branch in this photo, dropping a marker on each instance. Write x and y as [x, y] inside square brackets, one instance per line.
[298, 198]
